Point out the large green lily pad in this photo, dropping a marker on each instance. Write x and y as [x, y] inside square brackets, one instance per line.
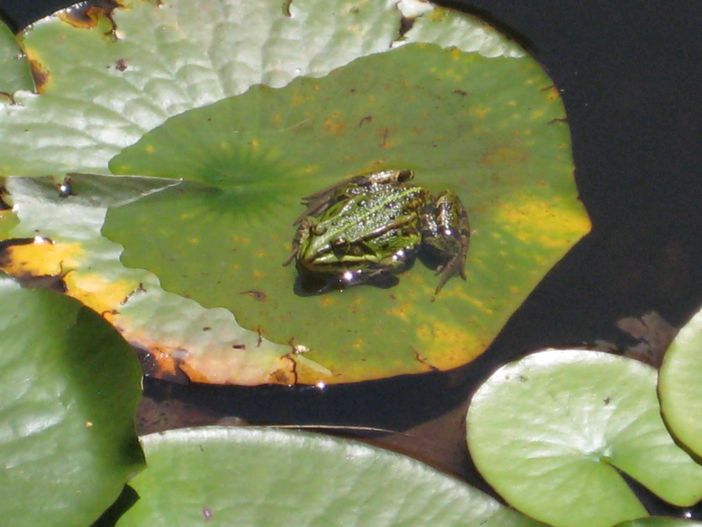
[503, 146]
[69, 391]
[550, 432]
[679, 385]
[230, 476]
[485, 128]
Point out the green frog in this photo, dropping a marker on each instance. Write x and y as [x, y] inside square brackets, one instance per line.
[374, 225]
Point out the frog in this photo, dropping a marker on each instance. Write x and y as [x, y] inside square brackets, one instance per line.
[374, 225]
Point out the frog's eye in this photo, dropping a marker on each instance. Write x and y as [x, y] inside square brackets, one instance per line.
[317, 230]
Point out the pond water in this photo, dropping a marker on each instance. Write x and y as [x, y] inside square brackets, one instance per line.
[633, 107]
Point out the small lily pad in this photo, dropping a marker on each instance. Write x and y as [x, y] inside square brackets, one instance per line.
[245, 476]
[551, 431]
[680, 389]
[70, 390]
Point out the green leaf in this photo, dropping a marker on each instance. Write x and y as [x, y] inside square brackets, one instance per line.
[550, 431]
[679, 386]
[481, 127]
[102, 87]
[160, 60]
[14, 69]
[244, 476]
[654, 521]
[70, 387]
[88, 266]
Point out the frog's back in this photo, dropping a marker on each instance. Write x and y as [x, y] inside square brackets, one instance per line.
[383, 210]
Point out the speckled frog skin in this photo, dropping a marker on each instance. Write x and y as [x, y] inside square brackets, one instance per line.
[375, 224]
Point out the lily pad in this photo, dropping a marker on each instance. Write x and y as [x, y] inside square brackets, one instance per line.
[551, 431]
[485, 128]
[147, 61]
[654, 521]
[107, 78]
[70, 390]
[69, 252]
[14, 69]
[239, 476]
[679, 385]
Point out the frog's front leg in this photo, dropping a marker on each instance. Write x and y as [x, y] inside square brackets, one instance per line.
[446, 234]
[301, 236]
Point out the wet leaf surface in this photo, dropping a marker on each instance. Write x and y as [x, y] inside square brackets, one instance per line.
[679, 385]
[268, 477]
[70, 389]
[550, 432]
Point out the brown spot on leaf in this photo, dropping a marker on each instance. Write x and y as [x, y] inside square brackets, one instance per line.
[460, 92]
[423, 360]
[87, 15]
[365, 120]
[260, 296]
[139, 289]
[333, 124]
[40, 74]
[121, 64]
[558, 120]
[9, 96]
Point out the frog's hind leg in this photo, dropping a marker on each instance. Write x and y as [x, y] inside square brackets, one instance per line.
[446, 236]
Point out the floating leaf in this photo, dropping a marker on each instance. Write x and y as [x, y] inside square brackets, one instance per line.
[70, 388]
[105, 80]
[71, 255]
[484, 128]
[264, 477]
[659, 522]
[550, 431]
[679, 385]
[14, 70]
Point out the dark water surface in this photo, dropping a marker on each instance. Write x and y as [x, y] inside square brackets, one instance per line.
[630, 76]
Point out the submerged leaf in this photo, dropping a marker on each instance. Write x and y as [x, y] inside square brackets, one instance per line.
[550, 431]
[70, 388]
[244, 476]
